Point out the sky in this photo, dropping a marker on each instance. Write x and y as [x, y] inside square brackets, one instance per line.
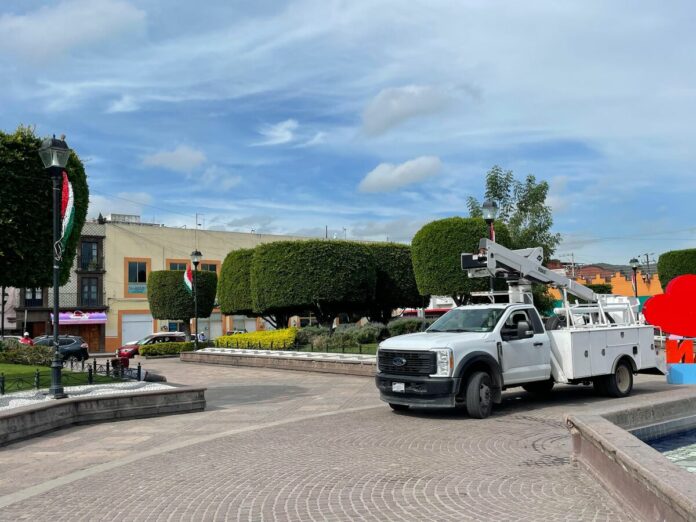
[368, 117]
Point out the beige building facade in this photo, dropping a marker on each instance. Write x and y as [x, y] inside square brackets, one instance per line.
[133, 250]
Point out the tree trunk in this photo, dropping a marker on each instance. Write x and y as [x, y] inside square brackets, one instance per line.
[187, 330]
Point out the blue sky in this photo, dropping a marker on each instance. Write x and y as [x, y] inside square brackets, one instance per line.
[373, 116]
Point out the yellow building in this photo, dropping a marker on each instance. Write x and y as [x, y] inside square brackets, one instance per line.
[621, 285]
[133, 250]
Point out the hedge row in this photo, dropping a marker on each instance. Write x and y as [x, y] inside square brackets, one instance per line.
[269, 340]
[675, 263]
[169, 298]
[13, 352]
[150, 350]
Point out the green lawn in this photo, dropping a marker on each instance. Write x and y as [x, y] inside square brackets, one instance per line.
[20, 377]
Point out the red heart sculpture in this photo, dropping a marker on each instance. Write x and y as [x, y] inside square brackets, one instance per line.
[674, 311]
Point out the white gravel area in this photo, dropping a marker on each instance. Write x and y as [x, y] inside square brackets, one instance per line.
[24, 398]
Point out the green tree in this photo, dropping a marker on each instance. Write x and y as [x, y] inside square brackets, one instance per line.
[600, 288]
[396, 283]
[436, 251]
[170, 299]
[234, 286]
[26, 212]
[675, 263]
[522, 207]
[324, 277]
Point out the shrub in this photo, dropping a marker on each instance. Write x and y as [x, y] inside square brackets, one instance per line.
[320, 343]
[269, 340]
[675, 263]
[234, 286]
[407, 325]
[308, 333]
[13, 352]
[151, 350]
[370, 333]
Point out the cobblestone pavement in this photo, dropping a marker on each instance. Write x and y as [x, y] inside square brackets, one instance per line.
[288, 445]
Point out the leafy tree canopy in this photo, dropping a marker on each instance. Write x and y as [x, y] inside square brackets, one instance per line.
[26, 212]
[170, 299]
[522, 207]
[234, 286]
[675, 263]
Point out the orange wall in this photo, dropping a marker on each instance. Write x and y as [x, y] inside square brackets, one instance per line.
[620, 285]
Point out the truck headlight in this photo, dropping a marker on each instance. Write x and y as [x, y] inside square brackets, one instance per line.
[445, 362]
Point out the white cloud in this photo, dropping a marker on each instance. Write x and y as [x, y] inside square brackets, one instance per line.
[399, 230]
[317, 139]
[121, 203]
[282, 132]
[181, 159]
[49, 31]
[219, 178]
[387, 176]
[397, 104]
[124, 104]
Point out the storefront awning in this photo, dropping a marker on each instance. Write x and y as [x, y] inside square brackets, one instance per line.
[78, 317]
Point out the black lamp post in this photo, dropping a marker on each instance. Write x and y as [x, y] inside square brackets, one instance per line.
[490, 210]
[54, 154]
[634, 265]
[195, 259]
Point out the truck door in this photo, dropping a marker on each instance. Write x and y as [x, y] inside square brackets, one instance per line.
[524, 359]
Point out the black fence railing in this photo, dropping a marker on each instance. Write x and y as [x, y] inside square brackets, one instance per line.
[80, 374]
[90, 264]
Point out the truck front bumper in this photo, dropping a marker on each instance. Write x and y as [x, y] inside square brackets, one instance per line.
[418, 391]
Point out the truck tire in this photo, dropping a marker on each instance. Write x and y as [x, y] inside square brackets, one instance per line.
[539, 388]
[620, 383]
[479, 396]
[399, 407]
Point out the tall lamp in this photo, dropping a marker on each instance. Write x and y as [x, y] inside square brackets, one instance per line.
[195, 260]
[490, 210]
[54, 155]
[634, 265]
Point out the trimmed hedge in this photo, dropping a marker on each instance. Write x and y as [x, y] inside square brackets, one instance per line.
[266, 340]
[325, 277]
[150, 350]
[13, 352]
[170, 299]
[436, 250]
[234, 286]
[675, 263]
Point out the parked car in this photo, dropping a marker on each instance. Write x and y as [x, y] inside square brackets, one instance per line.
[132, 348]
[69, 346]
[235, 332]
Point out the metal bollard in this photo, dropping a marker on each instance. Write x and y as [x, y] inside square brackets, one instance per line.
[37, 379]
[95, 364]
[140, 372]
[2, 384]
[83, 365]
[90, 376]
[107, 367]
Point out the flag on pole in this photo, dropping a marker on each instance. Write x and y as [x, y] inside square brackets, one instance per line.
[188, 279]
[67, 210]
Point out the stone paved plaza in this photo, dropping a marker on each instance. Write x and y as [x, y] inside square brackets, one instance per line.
[283, 445]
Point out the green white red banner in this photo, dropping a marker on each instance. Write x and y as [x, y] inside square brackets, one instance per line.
[188, 279]
[67, 210]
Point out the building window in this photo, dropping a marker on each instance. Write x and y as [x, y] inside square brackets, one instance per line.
[137, 277]
[88, 255]
[89, 293]
[177, 266]
[209, 267]
[33, 297]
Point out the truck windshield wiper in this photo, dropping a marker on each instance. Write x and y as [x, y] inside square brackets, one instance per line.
[458, 330]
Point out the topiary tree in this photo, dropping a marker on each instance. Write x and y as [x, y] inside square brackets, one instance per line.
[396, 283]
[324, 277]
[234, 286]
[675, 263]
[26, 212]
[170, 299]
[436, 249]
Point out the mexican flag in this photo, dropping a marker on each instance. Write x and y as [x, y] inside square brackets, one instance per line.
[67, 210]
[188, 279]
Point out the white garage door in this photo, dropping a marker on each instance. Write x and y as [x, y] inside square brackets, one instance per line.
[211, 326]
[135, 326]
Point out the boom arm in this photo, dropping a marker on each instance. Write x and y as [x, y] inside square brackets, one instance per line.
[525, 263]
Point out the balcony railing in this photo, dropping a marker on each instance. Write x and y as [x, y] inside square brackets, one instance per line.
[77, 300]
[90, 264]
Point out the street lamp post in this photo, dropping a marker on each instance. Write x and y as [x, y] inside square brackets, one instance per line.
[195, 259]
[634, 265]
[490, 209]
[54, 154]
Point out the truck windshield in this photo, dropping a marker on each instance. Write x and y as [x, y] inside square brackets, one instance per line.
[467, 320]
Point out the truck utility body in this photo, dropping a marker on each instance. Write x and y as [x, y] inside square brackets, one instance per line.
[474, 352]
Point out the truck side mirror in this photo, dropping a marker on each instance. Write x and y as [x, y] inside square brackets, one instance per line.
[524, 331]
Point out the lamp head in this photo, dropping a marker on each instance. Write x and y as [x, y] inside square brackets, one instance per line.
[490, 210]
[54, 152]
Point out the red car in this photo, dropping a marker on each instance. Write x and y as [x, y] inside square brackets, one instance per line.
[132, 348]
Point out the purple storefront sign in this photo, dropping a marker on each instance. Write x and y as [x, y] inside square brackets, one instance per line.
[78, 317]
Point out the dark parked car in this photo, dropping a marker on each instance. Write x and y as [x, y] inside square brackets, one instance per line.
[69, 346]
[133, 348]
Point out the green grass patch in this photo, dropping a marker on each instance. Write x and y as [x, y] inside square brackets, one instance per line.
[19, 377]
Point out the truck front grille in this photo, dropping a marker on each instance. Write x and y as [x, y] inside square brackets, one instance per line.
[416, 363]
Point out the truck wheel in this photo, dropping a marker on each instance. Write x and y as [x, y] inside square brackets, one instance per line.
[539, 388]
[479, 396]
[620, 383]
[398, 407]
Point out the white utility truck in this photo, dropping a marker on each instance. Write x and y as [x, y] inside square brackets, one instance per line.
[474, 352]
